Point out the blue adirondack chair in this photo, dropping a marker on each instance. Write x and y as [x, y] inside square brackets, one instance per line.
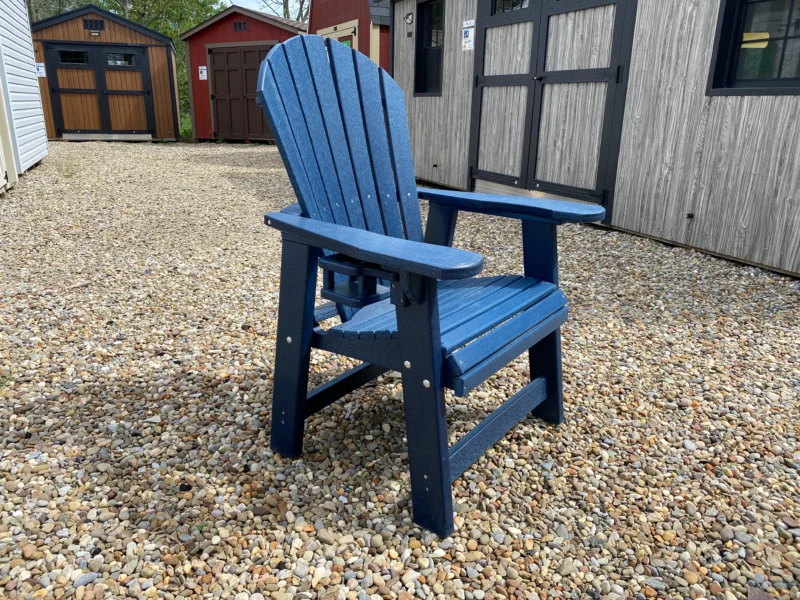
[408, 303]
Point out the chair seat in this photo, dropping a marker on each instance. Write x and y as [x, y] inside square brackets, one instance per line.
[483, 321]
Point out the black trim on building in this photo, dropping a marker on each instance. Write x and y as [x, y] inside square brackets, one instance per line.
[728, 38]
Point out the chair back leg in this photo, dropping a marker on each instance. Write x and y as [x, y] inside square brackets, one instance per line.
[426, 421]
[293, 347]
[540, 256]
[545, 361]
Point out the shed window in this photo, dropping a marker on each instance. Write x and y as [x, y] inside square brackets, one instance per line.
[757, 48]
[119, 59]
[71, 57]
[240, 25]
[94, 24]
[509, 5]
[430, 51]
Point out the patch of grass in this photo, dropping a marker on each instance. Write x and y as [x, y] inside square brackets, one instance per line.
[186, 127]
[66, 169]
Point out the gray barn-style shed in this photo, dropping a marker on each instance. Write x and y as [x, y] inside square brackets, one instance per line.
[682, 118]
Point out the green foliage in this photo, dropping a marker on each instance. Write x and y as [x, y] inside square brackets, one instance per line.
[170, 17]
[186, 126]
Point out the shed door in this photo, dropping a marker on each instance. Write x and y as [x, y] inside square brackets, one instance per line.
[547, 94]
[100, 89]
[234, 83]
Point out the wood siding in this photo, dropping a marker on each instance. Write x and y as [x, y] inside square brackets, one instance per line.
[114, 33]
[163, 105]
[502, 129]
[44, 93]
[82, 79]
[581, 39]
[127, 112]
[439, 124]
[569, 137]
[123, 80]
[329, 13]
[160, 57]
[221, 33]
[508, 49]
[81, 111]
[733, 162]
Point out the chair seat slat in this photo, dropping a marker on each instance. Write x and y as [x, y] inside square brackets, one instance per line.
[467, 357]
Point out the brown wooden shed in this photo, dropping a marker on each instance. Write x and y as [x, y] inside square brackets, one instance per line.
[103, 77]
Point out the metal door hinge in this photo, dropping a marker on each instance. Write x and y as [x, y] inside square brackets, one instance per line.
[210, 50]
[213, 96]
[619, 73]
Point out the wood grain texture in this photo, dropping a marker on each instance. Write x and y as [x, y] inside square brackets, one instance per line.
[440, 124]
[44, 93]
[570, 133]
[502, 129]
[113, 33]
[79, 79]
[163, 100]
[508, 49]
[731, 161]
[124, 80]
[581, 39]
[163, 89]
[127, 113]
[81, 111]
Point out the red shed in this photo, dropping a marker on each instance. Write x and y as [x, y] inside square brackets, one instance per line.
[223, 57]
[361, 24]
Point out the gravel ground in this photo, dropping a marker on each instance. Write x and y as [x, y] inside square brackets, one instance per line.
[138, 305]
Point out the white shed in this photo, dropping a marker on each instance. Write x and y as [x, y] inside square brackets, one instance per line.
[20, 87]
[8, 171]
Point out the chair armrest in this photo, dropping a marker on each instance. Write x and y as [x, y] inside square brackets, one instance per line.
[518, 207]
[393, 254]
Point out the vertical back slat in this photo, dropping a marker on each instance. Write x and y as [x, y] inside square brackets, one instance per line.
[297, 125]
[290, 153]
[401, 156]
[310, 108]
[344, 76]
[329, 104]
[378, 143]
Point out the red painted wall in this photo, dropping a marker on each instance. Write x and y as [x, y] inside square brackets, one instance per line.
[385, 41]
[218, 33]
[327, 13]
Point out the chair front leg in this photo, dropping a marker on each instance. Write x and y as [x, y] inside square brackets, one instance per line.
[423, 400]
[293, 347]
[540, 257]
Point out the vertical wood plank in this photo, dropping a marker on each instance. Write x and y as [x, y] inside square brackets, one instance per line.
[570, 133]
[581, 39]
[502, 129]
[730, 161]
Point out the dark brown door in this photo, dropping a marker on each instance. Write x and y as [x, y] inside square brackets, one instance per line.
[234, 79]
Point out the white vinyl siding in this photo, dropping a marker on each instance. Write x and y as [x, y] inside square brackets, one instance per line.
[20, 86]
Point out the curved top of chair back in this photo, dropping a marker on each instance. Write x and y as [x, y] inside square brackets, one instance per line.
[340, 124]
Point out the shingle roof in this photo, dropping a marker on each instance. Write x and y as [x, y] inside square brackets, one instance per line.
[285, 21]
[288, 24]
[379, 11]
